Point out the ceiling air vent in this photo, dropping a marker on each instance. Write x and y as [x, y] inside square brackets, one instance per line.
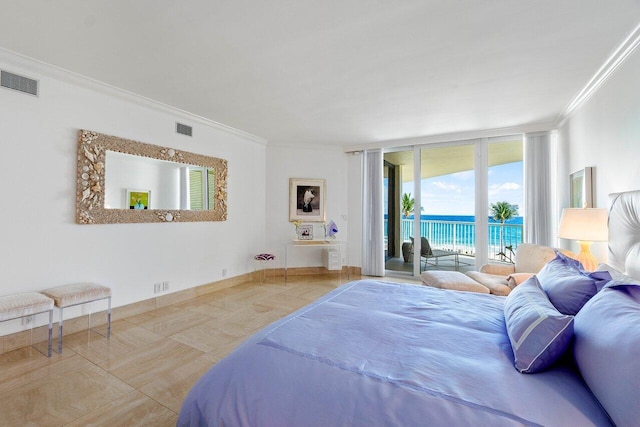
[184, 129]
[19, 83]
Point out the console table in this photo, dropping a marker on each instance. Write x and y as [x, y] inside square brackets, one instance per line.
[296, 244]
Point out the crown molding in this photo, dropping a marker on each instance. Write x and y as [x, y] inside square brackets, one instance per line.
[306, 146]
[453, 137]
[35, 66]
[617, 58]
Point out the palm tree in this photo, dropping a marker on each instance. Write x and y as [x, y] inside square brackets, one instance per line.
[503, 211]
[408, 204]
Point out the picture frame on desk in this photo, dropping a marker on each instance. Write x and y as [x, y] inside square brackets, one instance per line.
[307, 199]
[304, 232]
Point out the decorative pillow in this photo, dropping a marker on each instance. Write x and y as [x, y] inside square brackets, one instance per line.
[568, 285]
[452, 280]
[539, 334]
[617, 274]
[515, 279]
[607, 349]
[497, 285]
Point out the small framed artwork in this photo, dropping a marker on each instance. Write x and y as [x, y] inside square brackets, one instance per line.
[305, 231]
[307, 200]
[138, 199]
[581, 190]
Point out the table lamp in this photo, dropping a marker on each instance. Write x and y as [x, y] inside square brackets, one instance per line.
[586, 226]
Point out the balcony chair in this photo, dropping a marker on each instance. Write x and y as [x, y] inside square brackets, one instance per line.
[426, 253]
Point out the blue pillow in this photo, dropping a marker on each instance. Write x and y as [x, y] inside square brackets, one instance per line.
[607, 349]
[539, 334]
[568, 285]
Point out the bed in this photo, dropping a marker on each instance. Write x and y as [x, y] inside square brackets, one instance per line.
[377, 353]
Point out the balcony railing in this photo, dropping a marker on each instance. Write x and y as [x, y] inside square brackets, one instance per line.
[460, 236]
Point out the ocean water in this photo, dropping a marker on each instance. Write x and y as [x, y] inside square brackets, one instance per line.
[466, 218]
[456, 231]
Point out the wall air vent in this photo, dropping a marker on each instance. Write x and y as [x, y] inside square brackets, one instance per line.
[184, 129]
[19, 83]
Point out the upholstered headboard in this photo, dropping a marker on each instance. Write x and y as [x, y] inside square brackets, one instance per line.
[624, 232]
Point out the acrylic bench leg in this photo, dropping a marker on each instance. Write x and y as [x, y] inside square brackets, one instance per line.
[60, 331]
[109, 319]
[50, 341]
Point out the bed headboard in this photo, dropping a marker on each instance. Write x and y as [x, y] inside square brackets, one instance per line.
[624, 232]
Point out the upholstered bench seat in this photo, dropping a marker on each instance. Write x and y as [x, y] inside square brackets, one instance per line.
[68, 295]
[76, 294]
[453, 280]
[23, 305]
[26, 304]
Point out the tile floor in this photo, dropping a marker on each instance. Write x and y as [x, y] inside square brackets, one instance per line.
[142, 374]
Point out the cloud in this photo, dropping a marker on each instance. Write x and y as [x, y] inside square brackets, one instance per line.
[464, 175]
[447, 186]
[507, 186]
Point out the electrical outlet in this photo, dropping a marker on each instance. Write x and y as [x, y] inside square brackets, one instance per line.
[165, 285]
[224, 272]
[157, 287]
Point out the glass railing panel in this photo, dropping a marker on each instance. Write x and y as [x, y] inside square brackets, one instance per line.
[460, 236]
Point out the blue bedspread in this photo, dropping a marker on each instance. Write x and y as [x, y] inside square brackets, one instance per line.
[375, 353]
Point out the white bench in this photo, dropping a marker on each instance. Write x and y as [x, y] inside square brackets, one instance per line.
[76, 294]
[27, 304]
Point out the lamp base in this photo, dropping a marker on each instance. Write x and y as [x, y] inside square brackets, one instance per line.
[589, 262]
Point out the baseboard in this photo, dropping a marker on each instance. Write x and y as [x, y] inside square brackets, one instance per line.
[22, 339]
[307, 271]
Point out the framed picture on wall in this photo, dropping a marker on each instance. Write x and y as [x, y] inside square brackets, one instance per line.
[307, 200]
[138, 199]
[581, 190]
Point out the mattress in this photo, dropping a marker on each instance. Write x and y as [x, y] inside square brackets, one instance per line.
[378, 353]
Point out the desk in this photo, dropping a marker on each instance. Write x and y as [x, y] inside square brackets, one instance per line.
[295, 244]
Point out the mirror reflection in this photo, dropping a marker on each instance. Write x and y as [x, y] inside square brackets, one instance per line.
[125, 181]
[135, 182]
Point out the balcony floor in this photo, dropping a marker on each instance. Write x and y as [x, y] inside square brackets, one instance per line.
[398, 266]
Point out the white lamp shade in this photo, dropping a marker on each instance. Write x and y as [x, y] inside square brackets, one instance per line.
[589, 225]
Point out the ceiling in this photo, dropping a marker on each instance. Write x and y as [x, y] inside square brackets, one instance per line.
[344, 72]
[445, 160]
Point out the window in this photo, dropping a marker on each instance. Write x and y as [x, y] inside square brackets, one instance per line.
[458, 183]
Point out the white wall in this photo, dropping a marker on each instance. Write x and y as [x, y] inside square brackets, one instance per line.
[605, 133]
[332, 165]
[125, 172]
[42, 246]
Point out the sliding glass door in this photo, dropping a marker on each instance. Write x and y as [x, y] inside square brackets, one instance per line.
[506, 196]
[447, 197]
[453, 206]
[390, 218]
[398, 210]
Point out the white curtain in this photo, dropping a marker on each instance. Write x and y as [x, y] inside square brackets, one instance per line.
[538, 200]
[372, 214]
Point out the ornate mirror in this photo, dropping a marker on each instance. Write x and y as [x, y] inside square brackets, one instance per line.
[124, 181]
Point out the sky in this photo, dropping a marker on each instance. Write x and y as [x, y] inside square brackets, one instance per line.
[454, 194]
